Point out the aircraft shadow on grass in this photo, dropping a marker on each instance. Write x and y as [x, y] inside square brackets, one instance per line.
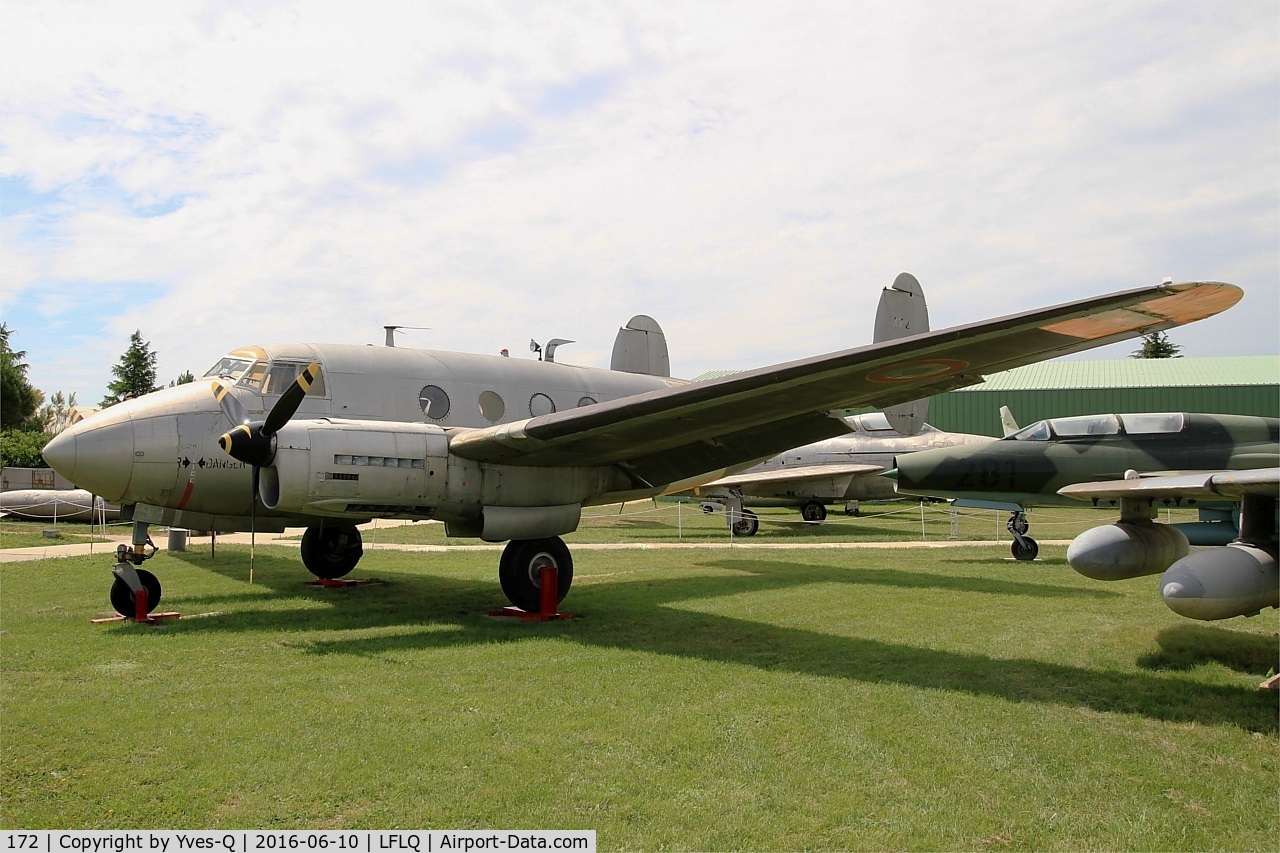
[642, 619]
[1188, 646]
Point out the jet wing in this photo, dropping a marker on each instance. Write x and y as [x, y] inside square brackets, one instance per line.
[799, 473]
[1206, 486]
[664, 436]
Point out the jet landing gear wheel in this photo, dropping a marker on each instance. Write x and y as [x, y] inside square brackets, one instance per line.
[520, 570]
[1025, 548]
[330, 552]
[813, 512]
[122, 596]
[746, 524]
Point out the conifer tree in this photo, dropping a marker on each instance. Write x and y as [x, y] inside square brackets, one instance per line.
[1157, 345]
[18, 398]
[135, 372]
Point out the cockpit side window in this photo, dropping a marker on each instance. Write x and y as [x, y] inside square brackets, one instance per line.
[277, 378]
[252, 378]
[1038, 431]
[1085, 425]
[1153, 422]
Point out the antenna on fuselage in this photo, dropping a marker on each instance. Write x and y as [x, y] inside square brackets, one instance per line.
[550, 354]
[391, 332]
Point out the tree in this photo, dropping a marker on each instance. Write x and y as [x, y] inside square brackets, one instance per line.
[18, 399]
[1157, 345]
[135, 372]
[184, 378]
[21, 448]
[55, 415]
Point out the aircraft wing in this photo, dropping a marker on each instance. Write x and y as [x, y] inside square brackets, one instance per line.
[664, 436]
[1205, 486]
[799, 473]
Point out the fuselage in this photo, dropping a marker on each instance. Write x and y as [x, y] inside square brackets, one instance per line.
[161, 450]
[1029, 467]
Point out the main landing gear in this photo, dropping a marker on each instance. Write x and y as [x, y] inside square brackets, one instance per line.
[813, 513]
[330, 551]
[1024, 547]
[536, 575]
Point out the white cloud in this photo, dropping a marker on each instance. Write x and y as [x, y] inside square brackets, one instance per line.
[750, 174]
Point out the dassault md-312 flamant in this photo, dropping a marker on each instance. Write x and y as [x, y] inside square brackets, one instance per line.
[330, 436]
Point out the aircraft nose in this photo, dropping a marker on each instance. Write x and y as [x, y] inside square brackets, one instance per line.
[94, 455]
[60, 453]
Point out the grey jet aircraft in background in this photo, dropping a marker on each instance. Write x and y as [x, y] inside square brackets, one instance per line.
[844, 470]
[1138, 462]
[329, 436]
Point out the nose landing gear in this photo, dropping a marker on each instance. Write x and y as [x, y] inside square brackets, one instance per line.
[1024, 548]
[135, 592]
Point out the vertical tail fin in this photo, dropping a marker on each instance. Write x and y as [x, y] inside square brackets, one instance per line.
[1007, 424]
[902, 312]
[641, 347]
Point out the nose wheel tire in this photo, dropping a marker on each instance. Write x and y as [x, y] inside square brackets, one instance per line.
[331, 551]
[520, 570]
[1026, 549]
[122, 596]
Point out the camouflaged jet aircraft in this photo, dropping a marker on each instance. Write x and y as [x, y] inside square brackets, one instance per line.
[329, 436]
[1137, 462]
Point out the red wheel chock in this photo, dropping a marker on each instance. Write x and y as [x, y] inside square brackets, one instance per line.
[140, 614]
[341, 583]
[548, 601]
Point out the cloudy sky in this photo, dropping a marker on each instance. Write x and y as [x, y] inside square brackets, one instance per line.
[750, 174]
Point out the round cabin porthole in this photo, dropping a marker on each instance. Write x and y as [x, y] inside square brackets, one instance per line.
[586, 401]
[491, 406]
[434, 402]
[540, 404]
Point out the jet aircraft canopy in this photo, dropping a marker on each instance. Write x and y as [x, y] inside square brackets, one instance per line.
[252, 368]
[1138, 424]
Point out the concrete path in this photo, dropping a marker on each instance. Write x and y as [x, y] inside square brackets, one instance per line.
[107, 549]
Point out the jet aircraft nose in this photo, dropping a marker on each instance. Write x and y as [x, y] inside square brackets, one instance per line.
[95, 454]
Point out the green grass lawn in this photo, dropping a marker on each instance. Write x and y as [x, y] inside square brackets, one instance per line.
[706, 699]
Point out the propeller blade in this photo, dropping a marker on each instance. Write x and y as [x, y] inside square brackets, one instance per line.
[290, 400]
[253, 519]
[231, 406]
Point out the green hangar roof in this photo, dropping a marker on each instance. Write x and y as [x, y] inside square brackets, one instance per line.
[1137, 373]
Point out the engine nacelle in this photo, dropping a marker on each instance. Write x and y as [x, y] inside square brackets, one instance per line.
[357, 469]
[1126, 549]
[1238, 580]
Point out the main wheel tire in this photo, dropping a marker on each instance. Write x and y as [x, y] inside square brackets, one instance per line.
[520, 570]
[747, 524]
[813, 512]
[330, 552]
[1025, 550]
[122, 596]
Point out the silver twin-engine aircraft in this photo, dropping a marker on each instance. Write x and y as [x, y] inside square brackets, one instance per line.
[330, 436]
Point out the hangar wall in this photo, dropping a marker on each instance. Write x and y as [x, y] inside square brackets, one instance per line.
[1232, 385]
